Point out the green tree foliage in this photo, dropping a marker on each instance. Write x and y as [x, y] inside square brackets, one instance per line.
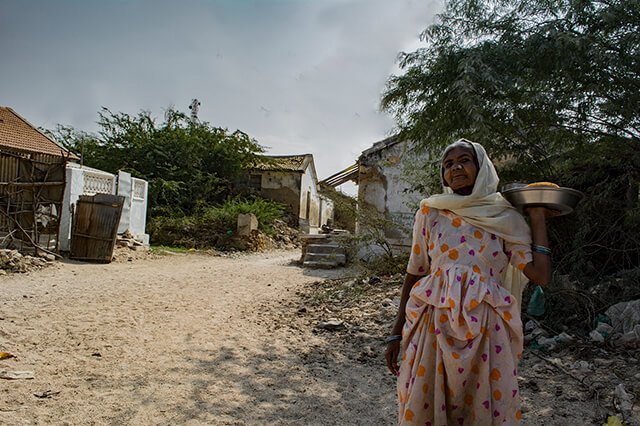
[187, 164]
[344, 208]
[551, 88]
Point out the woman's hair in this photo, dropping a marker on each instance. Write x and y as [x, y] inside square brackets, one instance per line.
[460, 143]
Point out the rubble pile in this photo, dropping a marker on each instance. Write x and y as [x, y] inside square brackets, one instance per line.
[128, 249]
[14, 261]
[257, 241]
[359, 311]
[127, 240]
[284, 236]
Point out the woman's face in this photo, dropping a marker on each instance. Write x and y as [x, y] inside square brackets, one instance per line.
[459, 170]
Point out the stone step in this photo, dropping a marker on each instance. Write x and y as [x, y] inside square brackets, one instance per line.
[339, 258]
[320, 264]
[325, 248]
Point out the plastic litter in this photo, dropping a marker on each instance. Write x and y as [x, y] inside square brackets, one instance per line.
[596, 336]
[536, 306]
[551, 343]
[625, 400]
[625, 320]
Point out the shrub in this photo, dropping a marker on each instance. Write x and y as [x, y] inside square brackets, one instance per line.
[224, 217]
[213, 226]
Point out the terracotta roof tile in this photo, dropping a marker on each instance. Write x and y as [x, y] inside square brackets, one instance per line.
[17, 133]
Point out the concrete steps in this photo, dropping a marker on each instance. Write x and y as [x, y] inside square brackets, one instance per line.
[340, 258]
[328, 255]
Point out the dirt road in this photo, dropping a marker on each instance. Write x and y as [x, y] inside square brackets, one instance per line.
[181, 340]
[235, 341]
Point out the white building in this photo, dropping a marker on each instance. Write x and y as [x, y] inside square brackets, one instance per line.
[292, 181]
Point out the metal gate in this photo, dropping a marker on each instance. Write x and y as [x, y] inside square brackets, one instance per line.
[95, 227]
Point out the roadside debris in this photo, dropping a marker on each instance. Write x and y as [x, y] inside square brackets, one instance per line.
[625, 323]
[331, 325]
[14, 261]
[16, 375]
[538, 338]
[46, 394]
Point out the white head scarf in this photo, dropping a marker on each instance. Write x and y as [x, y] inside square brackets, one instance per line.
[487, 209]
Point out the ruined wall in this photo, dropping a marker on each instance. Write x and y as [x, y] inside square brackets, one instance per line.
[310, 204]
[383, 188]
[284, 188]
[326, 210]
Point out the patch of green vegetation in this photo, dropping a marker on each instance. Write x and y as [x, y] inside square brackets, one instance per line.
[213, 226]
[163, 249]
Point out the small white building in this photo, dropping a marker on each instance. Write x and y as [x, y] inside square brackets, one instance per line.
[292, 181]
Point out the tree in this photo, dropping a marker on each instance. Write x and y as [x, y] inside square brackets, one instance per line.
[552, 88]
[526, 78]
[186, 163]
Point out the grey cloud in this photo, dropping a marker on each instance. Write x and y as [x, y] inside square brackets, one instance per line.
[300, 76]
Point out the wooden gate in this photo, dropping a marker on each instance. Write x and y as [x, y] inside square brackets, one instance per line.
[95, 226]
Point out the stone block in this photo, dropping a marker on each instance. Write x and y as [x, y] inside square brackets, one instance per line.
[247, 223]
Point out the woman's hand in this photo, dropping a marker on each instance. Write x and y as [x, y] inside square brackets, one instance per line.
[391, 355]
[539, 269]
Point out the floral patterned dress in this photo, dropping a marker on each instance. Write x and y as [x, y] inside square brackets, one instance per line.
[462, 337]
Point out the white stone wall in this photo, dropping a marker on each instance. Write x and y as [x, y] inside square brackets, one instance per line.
[134, 210]
[279, 180]
[383, 187]
[82, 180]
[326, 210]
[310, 202]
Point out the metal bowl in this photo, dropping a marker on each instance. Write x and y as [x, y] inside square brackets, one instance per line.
[563, 200]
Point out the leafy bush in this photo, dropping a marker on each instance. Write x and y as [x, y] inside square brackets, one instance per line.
[213, 226]
[344, 208]
[225, 217]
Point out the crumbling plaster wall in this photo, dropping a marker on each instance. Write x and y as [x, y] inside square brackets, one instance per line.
[310, 200]
[382, 187]
[326, 210]
[284, 188]
[298, 192]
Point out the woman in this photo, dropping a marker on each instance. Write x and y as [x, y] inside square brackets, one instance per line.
[458, 324]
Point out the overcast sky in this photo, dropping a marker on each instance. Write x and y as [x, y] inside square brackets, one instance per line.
[300, 76]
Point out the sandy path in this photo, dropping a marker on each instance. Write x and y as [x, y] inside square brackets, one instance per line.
[181, 340]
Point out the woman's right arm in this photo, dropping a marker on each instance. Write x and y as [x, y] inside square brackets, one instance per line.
[393, 348]
[417, 268]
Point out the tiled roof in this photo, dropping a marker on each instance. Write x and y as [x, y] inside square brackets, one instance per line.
[17, 133]
[292, 163]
